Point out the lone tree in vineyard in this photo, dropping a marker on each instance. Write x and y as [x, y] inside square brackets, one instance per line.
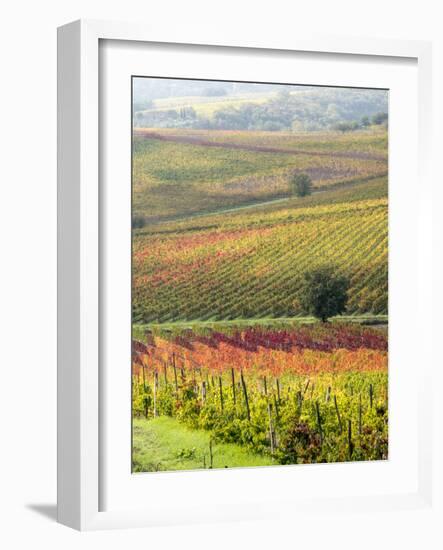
[301, 185]
[323, 293]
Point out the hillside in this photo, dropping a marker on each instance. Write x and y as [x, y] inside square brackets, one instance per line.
[259, 260]
[249, 263]
[177, 173]
[162, 103]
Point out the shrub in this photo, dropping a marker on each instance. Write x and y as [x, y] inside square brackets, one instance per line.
[138, 222]
[301, 185]
[300, 445]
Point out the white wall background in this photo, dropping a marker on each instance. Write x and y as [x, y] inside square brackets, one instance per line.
[28, 260]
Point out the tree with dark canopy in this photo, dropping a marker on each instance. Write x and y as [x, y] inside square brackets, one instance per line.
[323, 293]
[301, 185]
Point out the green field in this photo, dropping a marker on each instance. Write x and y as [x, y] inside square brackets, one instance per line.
[164, 443]
[207, 106]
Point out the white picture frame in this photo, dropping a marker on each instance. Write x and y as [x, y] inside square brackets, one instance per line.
[80, 415]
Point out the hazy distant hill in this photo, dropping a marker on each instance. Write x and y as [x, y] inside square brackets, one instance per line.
[171, 103]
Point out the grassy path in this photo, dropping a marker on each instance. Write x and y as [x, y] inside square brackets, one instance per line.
[164, 444]
[258, 204]
[139, 330]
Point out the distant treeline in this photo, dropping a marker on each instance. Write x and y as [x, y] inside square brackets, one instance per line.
[313, 109]
[146, 90]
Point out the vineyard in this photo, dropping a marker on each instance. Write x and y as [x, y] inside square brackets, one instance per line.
[227, 368]
[250, 264]
[371, 144]
[175, 179]
[305, 395]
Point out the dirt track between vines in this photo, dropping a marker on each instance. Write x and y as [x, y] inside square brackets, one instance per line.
[257, 148]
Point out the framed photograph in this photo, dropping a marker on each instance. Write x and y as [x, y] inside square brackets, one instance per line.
[243, 256]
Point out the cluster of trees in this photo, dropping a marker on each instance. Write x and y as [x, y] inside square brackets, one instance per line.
[215, 91]
[375, 120]
[185, 117]
[310, 109]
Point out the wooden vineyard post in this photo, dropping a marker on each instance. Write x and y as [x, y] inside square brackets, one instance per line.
[145, 403]
[271, 429]
[165, 370]
[265, 385]
[203, 392]
[277, 411]
[155, 392]
[233, 386]
[277, 385]
[340, 427]
[359, 415]
[144, 377]
[350, 444]
[320, 429]
[175, 372]
[245, 394]
[328, 394]
[220, 387]
[371, 395]
[299, 403]
[211, 455]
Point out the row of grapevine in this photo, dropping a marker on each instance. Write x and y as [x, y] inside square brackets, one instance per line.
[254, 269]
[289, 394]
